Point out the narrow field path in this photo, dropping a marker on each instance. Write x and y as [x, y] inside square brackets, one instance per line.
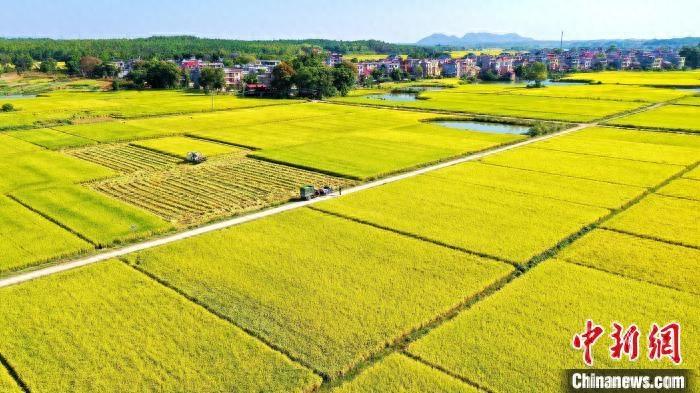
[143, 245]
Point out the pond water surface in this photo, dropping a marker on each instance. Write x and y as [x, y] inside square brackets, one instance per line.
[495, 128]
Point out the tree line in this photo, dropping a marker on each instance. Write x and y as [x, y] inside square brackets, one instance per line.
[178, 47]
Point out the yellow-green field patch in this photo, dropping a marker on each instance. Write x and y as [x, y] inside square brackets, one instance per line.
[51, 139]
[12, 145]
[500, 223]
[682, 188]
[108, 328]
[399, 373]
[29, 239]
[519, 339]
[636, 257]
[661, 217]
[613, 170]
[329, 291]
[674, 117]
[113, 131]
[46, 167]
[666, 78]
[565, 188]
[99, 218]
[659, 147]
[693, 174]
[7, 384]
[179, 146]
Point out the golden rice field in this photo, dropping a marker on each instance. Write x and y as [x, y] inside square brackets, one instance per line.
[472, 277]
[665, 79]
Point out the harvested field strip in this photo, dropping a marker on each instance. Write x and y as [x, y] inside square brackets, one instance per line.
[109, 328]
[194, 194]
[400, 373]
[516, 339]
[29, 239]
[373, 288]
[663, 218]
[639, 258]
[126, 158]
[612, 170]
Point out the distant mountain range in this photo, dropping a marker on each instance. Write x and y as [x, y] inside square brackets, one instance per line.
[512, 40]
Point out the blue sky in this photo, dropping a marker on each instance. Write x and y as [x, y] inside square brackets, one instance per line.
[394, 20]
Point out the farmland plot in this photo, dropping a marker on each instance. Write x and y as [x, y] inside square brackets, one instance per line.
[329, 291]
[126, 158]
[399, 373]
[636, 257]
[29, 239]
[7, 384]
[11, 145]
[463, 100]
[46, 167]
[564, 188]
[179, 146]
[108, 328]
[503, 224]
[693, 174]
[51, 139]
[674, 117]
[659, 147]
[113, 131]
[605, 92]
[519, 339]
[669, 78]
[661, 217]
[613, 170]
[61, 107]
[689, 101]
[98, 218]
[682, 188]
[194, 194]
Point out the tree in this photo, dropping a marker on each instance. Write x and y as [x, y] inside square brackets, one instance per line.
[186, 80]
[396, 74]
[283, 79]
[88, 64]
[313, 77]
[377, 74]
[692, 56]
[48, 66]
[418, 71]
[212, 78]
[344, 77]
[105, 70]
[23, 63]
[7, 107]
[250, 77]
[162, 75]
[72, 67]
[535, 72]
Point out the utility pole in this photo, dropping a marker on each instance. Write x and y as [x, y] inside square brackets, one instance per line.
[561, 41]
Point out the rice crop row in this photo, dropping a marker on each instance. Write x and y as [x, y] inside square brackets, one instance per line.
[195, 194]
[126, 158]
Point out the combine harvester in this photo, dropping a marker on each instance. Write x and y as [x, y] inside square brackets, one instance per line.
[307, 192]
